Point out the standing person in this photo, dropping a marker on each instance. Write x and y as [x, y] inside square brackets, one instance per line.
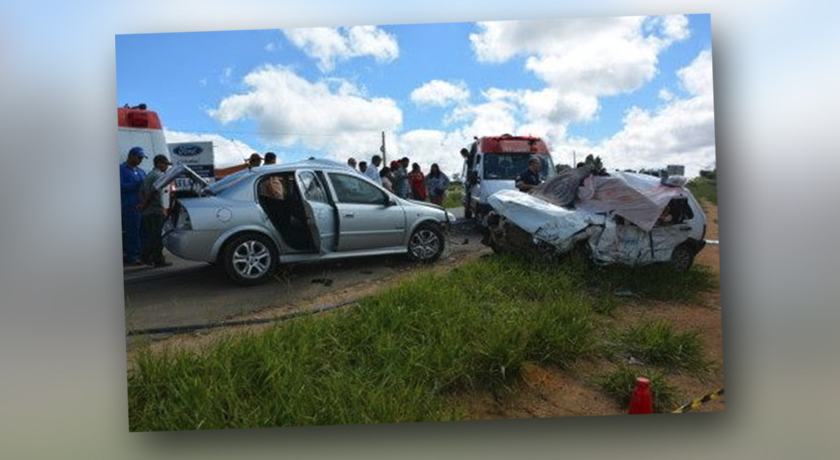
[437, 182]
[373, 169]
[529, 178]
[153, 215]
[468, 183]
[351, 162]
[270, 158]
[401, 186]
[363, 167]
[254, 160]
[131, 180]
[417, 182]
[385, 178]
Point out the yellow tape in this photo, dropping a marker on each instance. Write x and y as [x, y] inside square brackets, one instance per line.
[694, 405]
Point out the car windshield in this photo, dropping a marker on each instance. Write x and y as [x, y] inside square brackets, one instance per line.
[507, 166]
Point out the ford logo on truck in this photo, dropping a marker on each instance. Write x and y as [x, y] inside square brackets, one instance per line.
[187, 150]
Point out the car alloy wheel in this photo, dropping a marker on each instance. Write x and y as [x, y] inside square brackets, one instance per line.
[250, 259]
[426, 243]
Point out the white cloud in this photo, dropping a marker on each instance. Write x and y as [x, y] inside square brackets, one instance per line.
[594, 57]
[680, 132]
[440, 93]
[582, 60]
[579, 60]
[330, 115]
[330, 45]
[226, 152]
[697, 77]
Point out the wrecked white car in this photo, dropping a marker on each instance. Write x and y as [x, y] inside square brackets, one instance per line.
[625, 218]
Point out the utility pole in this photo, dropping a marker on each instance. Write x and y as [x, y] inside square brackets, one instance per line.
[382, 149]
[574, 159]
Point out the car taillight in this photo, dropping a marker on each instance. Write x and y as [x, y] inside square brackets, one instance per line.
[183, 222]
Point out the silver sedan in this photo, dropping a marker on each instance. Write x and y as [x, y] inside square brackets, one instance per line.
[251, 221]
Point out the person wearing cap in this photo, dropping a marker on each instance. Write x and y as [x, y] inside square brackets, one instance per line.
[131, 180]
[153, 215]
[270, 158]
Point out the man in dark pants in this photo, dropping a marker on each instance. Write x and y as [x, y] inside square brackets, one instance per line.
[530, 178]
[468, 183]
[153, 216]
[131, 179]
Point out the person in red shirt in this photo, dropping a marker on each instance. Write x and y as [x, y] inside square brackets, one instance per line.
[417, 181]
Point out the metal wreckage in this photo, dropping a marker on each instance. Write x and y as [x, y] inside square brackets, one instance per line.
[625, 218]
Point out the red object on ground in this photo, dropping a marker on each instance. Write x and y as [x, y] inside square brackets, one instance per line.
[640, 401]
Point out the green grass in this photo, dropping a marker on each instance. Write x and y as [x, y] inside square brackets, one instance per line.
[656, 343]
[453, 197]
[619, 385]
[652, 282]
[394, 358]
[398, 356]
[704, 187]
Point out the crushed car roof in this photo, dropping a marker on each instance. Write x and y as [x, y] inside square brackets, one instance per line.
[639, 198]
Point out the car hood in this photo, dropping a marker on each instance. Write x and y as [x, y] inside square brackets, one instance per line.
[448, 215]
[547, 222]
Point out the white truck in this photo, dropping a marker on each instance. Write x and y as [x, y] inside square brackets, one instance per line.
[492, 163]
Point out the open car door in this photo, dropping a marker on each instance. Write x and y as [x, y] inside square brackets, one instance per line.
[320, 214]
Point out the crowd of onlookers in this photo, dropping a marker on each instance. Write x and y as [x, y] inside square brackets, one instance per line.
[406, 182]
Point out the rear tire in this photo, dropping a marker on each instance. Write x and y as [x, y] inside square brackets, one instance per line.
[250, 259]
[682, 258]
[426, 243]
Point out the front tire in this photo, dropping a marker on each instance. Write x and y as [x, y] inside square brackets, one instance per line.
[250, 259]
[426, 243]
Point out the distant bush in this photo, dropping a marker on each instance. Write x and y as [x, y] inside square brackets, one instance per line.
[704, 187]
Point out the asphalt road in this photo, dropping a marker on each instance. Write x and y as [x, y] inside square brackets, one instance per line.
[189, 293]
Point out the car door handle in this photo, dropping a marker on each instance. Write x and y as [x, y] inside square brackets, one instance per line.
[349, 214]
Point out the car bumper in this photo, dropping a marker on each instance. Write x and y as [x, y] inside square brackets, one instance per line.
[191, 244]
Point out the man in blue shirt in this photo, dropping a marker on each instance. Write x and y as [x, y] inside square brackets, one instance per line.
[530, 178]
[131, 180]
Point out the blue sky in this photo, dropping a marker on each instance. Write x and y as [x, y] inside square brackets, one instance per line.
[635, 90]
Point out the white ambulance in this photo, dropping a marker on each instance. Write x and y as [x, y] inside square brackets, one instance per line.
[139, 127]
